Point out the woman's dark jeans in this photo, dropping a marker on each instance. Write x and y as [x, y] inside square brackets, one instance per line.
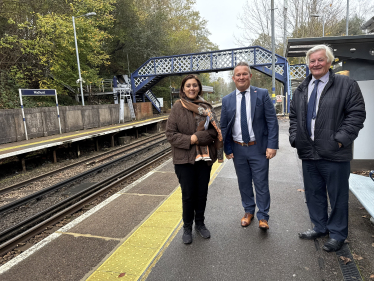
[194, 180]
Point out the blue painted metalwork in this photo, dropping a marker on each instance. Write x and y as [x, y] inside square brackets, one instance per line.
[153, 99]
[289, 90]
[153, 70]
[259, 58]
[299, 71]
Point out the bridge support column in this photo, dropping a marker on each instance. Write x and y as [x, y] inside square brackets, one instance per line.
[112, 140]
[23, 163]
[78, 150]
[54, 156]
[97, 144]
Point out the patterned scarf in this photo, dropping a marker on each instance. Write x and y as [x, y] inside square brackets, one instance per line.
[203, 108]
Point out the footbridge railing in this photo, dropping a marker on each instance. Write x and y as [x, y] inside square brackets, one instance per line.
[153, 70]
[259, 58]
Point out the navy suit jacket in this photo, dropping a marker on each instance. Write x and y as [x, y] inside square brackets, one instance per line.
[264, 119]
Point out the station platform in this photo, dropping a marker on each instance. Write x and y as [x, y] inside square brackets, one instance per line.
[136, 234]
[27, 146]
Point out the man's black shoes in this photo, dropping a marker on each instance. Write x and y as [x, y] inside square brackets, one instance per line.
[311, 234]
[332, 245]
[187, 235]
[203, 231]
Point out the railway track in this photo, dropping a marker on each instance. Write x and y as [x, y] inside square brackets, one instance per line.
[37, 223]
[90, 161]
[71, 180]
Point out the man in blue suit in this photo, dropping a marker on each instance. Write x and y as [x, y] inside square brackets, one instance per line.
[250, 141]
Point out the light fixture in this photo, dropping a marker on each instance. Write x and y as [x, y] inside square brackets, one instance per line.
[323, 22]
[76, 49]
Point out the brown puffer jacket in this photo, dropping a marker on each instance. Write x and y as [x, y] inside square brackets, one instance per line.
[181, 125]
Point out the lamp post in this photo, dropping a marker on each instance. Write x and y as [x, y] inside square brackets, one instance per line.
[323, 22]
[347, 19]
[272, 52]
[171, 96]
[76, 49]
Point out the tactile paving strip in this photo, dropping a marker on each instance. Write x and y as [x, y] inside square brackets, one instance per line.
[133, 257]
[130, 260]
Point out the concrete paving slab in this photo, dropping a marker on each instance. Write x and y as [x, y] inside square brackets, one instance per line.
[120, 217]
[158, 183]
[237, 253]
[169, 167]
[228, 172]
[78, 254]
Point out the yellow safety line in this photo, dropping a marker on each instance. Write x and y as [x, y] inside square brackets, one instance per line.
[69, 136]
[140, 252]
[217, 167]
[161, 252]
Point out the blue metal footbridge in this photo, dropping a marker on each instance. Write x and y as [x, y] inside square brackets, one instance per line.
[259, 58]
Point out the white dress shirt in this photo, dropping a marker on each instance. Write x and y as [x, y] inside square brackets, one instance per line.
[237, 130]
[321, 85]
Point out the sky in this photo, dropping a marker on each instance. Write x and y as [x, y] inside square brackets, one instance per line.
[223, 21]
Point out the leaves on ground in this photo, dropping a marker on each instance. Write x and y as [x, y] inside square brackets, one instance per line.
[345, 259]
[357, 257]
[121, 275]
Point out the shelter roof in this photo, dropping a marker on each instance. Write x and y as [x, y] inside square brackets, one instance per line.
[344, 47]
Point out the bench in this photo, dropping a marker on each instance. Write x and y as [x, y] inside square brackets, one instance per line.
[363, 188]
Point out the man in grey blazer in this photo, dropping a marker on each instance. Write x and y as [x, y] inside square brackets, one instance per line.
[250, 141]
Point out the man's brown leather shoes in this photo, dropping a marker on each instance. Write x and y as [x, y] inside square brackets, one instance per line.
[263, 224]
[246, 220]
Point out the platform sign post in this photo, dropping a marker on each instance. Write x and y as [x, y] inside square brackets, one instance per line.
[37, 93]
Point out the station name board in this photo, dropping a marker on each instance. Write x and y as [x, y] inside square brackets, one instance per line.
[38, 92]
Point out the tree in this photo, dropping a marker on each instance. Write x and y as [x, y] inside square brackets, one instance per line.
[255, 22]
[354, 27]
[37, 42]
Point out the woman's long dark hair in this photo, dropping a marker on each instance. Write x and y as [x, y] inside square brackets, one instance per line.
[190, 76]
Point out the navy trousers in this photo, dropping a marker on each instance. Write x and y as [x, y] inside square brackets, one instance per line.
[194, 180]
[252, 165]
[322, 177]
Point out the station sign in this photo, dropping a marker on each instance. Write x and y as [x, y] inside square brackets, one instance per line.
[37, 92]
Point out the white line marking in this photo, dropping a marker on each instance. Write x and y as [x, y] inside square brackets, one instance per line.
[70, 225]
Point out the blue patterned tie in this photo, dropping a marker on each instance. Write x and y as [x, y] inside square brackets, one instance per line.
[311, 114]
[243, 120]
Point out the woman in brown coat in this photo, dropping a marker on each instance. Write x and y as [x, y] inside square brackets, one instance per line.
[193, 132]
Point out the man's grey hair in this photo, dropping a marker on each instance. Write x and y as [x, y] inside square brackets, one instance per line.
[329, 53]
[243, 63]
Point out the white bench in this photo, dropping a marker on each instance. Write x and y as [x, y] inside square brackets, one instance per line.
[363, 188]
